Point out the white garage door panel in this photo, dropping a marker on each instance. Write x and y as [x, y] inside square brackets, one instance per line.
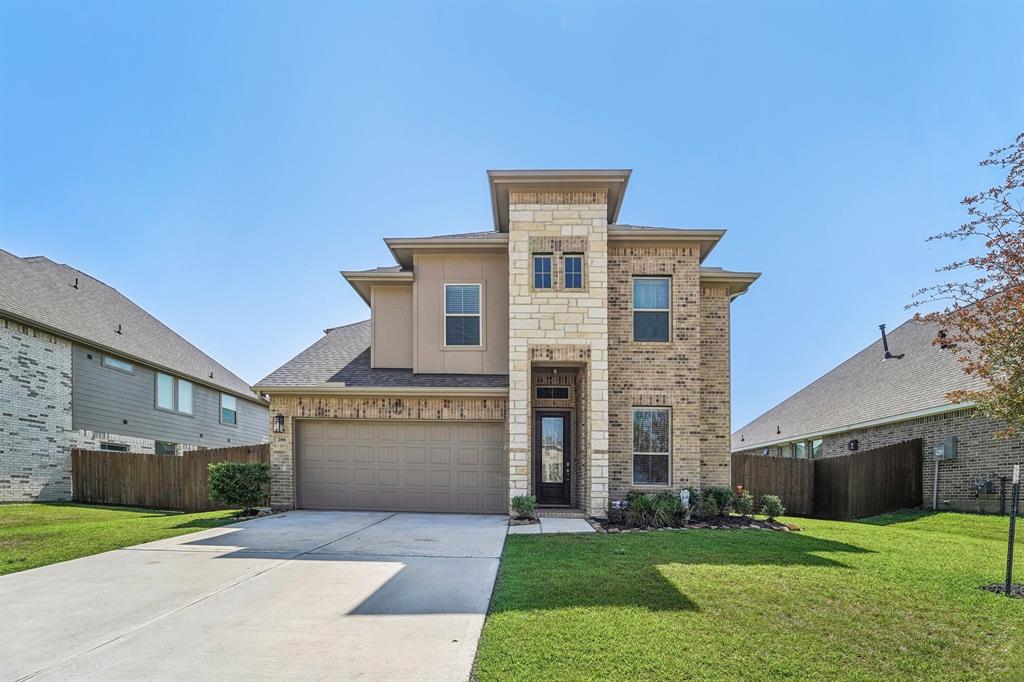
[402, 466]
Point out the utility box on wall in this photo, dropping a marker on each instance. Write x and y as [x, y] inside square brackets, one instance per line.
[947, 450]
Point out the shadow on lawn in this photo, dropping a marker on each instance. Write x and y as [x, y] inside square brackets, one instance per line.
[896, 517]
[625, 570]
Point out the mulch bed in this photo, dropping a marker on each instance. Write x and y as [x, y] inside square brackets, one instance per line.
[1016, 589]
[717, 523]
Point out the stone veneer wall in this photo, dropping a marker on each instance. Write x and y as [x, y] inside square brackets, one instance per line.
[979, 454]
[35, 414]
[645, 374]
[292, 406]
[571, 321]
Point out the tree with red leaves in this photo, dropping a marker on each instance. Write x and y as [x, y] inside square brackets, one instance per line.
[983, 321]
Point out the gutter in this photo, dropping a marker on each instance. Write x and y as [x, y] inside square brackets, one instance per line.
[429, 391]
[916, 414]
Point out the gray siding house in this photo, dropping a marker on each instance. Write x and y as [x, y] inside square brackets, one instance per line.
[82, 366]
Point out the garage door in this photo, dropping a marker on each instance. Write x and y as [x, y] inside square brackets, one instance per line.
[402, 466]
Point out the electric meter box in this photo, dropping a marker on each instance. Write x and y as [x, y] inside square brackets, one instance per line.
[947, 450]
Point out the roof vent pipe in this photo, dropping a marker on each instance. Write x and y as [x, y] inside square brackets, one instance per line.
[885, 345]
[75, 285]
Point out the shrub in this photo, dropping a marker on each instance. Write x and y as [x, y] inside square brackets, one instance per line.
[708, 507]
[722, 495]
[647, 510]
[743, 503]
[771, 506]
[674, 506]
[239, 484]
[524, 505]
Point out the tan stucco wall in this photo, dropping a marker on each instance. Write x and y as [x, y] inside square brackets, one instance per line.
[430, 356]
[392, 325]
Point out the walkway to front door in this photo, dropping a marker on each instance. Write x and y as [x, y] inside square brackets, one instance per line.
[552, 456]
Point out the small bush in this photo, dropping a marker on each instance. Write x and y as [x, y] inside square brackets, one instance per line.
[648, 510]
[524, 505]
[674, 506]
[708, 507]
[743, 503]
[722, 496]
[771, 506]
[239, 484]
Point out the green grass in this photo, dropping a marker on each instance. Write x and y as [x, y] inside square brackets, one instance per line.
[892, 597]
[34, 535]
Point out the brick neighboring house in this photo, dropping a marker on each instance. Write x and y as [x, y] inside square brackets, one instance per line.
[870, 401]
[82, 366]
[560, 355]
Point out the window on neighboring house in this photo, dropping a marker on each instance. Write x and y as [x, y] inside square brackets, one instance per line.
[462, 314]
[800, 450]
[552, 392]
[574, 272]
[164, 447]
[114, 447]
[542, 272]
[118, 364]
[651, 445]
[816, 448]
[651, 308]
[228, 409]
[173, 394]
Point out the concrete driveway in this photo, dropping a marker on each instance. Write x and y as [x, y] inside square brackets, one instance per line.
[297, 596]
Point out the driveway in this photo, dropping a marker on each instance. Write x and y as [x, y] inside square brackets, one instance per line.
[296, 596]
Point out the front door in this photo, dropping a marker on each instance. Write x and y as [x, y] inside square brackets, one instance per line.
[551, 456]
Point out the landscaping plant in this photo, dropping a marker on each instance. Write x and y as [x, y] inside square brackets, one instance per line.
[524, 506]
[743, 503]
[647, 511]
[678, 514]
[722, 495]
[771, 506]
[707, 508]
[239, 484]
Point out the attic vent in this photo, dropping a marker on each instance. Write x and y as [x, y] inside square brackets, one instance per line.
[885, 346]
[75, 285]
[944, 344]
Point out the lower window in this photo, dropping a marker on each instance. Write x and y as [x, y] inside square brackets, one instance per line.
[114, 447]
[651, 445]
[164, 447]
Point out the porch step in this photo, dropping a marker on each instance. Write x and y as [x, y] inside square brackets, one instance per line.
[560, 513]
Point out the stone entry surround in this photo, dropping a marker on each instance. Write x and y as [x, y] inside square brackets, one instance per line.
[559, 326]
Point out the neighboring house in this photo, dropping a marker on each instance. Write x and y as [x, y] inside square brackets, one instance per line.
[81, 366]
[559, 355]
[873, 400]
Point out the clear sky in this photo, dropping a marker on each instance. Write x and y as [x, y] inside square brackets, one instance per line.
[220, 163]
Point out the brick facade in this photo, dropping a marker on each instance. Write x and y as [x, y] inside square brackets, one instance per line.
[294, 407]
[979, 454]
[558, 326]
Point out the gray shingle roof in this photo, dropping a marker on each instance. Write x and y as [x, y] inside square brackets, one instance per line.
[40, 291]
[343, 356]
[865, 388]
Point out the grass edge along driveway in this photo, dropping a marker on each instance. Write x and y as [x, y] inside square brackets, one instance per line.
[38, 534]
[891, 597]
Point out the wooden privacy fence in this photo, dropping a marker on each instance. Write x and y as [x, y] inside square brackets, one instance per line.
[158, 481]
[847, 487]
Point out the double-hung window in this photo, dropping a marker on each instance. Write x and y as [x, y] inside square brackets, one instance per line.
[228, 409]
[574, 271]
[173, 394]
[651, 308]
[651, 445]
[542, 271]
[462, 314]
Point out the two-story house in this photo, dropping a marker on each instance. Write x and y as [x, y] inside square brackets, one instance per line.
[560, 355]
[82, 366]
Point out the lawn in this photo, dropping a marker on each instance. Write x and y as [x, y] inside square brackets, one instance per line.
[892, 597]
[34, 535]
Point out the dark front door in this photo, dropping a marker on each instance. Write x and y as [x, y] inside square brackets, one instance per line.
[551, 456]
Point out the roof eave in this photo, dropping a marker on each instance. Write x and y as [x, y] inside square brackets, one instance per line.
[615, 181]
[335, 388]
[402, 248]
[736, 282]
[362, 280]
[707, 239]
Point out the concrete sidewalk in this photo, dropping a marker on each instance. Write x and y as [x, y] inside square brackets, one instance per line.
[301, 595]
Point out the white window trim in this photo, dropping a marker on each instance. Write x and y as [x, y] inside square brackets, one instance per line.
[174, 394]
[220, 410]
[551, 270]
[632, 302]
[106, 359]
[565, 271]
[479, 315]
[668, 454]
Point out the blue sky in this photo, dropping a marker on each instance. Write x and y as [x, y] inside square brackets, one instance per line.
[220, 163]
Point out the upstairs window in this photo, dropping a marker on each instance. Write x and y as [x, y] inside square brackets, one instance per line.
[228, 409]
[118, 364]
[542, 272]
[651, 445]
[552, 392]
[651, 308]
[574, 271]
[462, 314]
[173, 394]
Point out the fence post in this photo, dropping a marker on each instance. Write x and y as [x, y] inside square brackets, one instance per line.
[1014, 503]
